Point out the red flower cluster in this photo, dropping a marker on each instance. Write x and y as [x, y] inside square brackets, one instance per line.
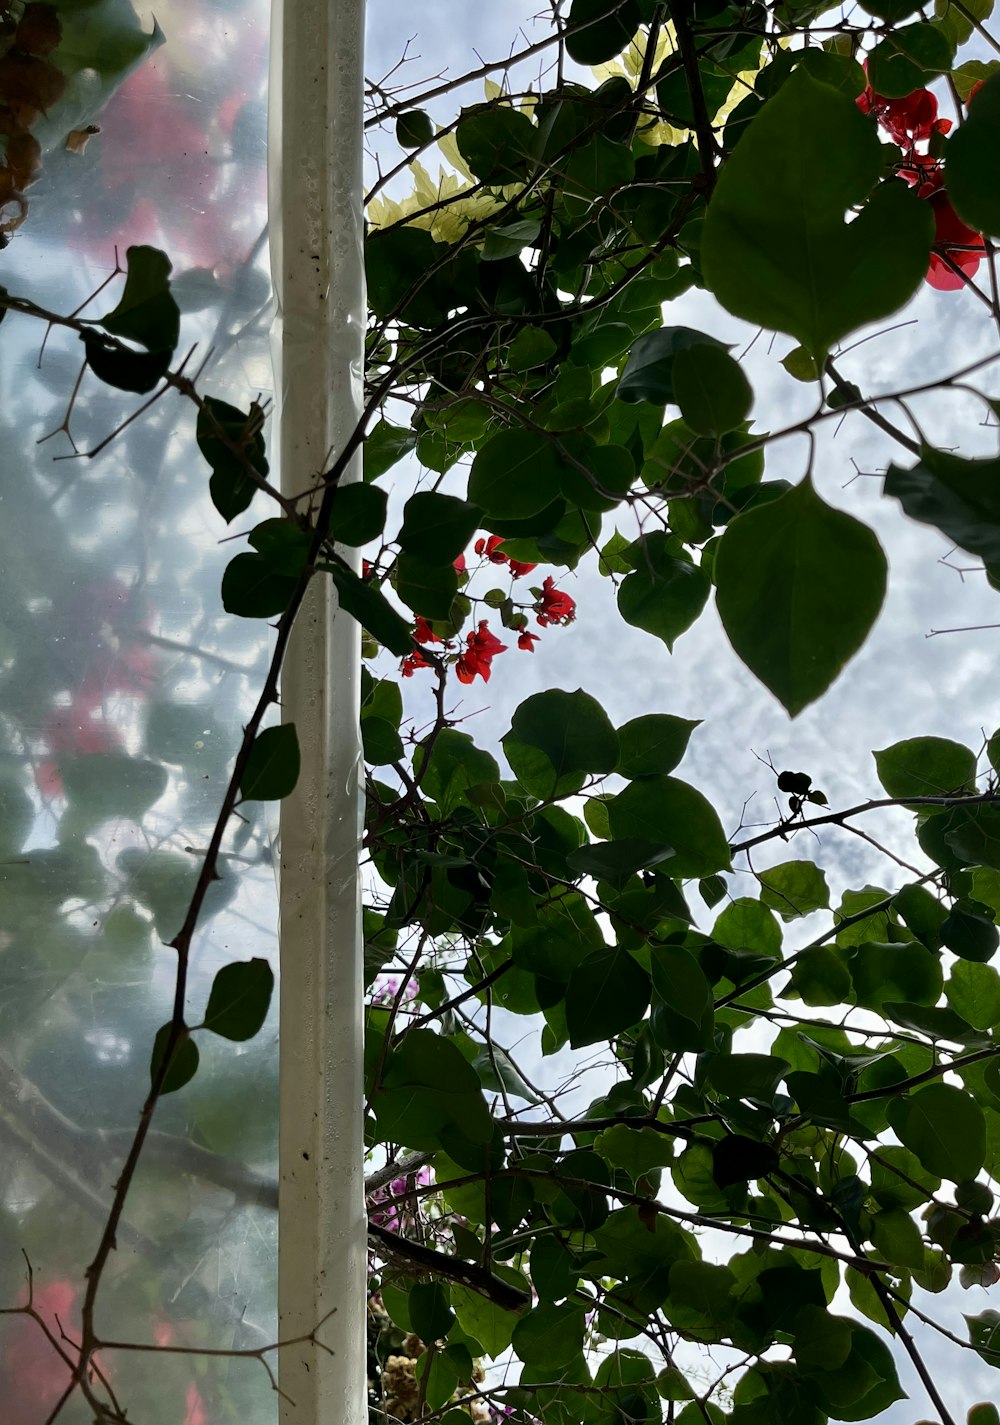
[914, 120]
[475, 659]
[553, 605]
[481, 648]
[491, 549]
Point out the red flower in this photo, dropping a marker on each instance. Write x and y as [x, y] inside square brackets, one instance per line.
[948, 229]
[909, 120]
[481, 648]
[423, 633]
[491, 548]
[459, 563]
[518, 568]
[412, 662]
[554, 606]
[527, 641]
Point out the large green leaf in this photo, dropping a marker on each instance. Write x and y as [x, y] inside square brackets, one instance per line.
[146, 312]
[607, 993]
[570, 731]
[776, 249]
[648, 373]
[926, 767]
[794, 888]
[652, 744]
[669, 812]
[273, 765]
[516, 474]
[600, 29]
[944, 1127]
[799, 588]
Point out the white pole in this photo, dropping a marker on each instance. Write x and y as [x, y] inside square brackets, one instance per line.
[317, 263]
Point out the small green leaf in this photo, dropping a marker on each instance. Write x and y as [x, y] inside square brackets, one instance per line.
[414, 129]
[230, 487]
[183, 1061]
[973, 991]
[711, 389]
[984, 1333]
[146, 312]
[944, 1127]
[239, 999]
[664, 593]
[794, 888]
[799, 587]
[801, 365]
[384, 446]
[272, 768]
[497, 142]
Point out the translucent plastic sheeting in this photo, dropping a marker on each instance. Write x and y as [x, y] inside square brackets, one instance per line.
[123, 691]
[318, 265]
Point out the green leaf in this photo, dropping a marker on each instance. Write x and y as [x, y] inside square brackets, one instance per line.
[664, 594]
[897, 1238]
[427, 589]
[437, 528]
[973, 991]
[146, 312]
[572, 730]
[240, 999]
[230, 487]
[799, 587]
[597, 30]
[516, 474]
[711, 389]
[960, 497]
[669, 812]
[652, 744]
[273, 765]
[252, 588]
[135, 371]
[926, 767]
[801, 365]
[822, 1341]
[648, 372]
[358, 514]
[883, 972]
[549, 1335]
[384, 446]
[183, 1061]
[430, 1311]
[944, 1127]
[414, 130]
[775, 247]
[608, 992]
[984, 1333]
[491, 1325]
[969, 74]
[680, 982]
[455, 765]
[371, 609]
[533, 346]
[616, 861]
[794, 888]
[969, 930]
[497, 142]
[907, 59]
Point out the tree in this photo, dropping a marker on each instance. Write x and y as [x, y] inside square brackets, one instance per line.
[828, 1111]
